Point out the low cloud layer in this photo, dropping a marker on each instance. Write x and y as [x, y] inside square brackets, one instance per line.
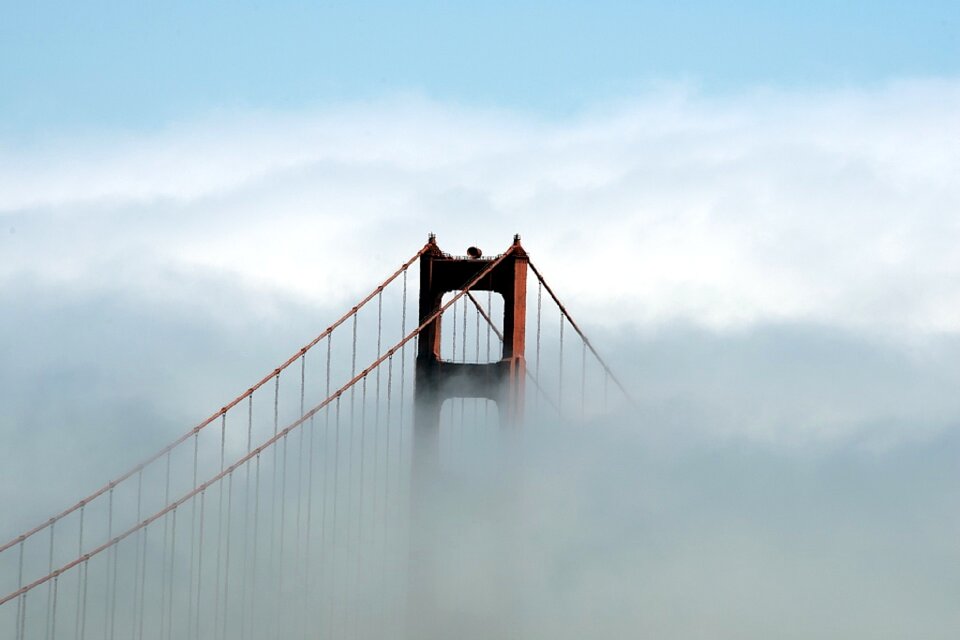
[784, 479]
[774, 275]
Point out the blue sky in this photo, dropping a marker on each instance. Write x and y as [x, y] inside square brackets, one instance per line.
[66, 66]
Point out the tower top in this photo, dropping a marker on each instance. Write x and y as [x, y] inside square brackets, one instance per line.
[473, 252]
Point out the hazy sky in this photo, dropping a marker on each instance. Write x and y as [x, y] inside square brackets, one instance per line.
[753, 207]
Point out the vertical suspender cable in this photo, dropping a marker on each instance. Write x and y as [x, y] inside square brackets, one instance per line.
[193, 536]
[403, 367]
[363, 438]
[560, 370]
[326, 457]
[347, 519]
[453, 349]
[463, 356]
[76, 628]
[298, 529]
[140, 566]
[53, 613]
[21, 601]
[111, 557]
[50, 586]
[386, 469]
[583, 379]
[486, 405]
[449, 406]
[244, 569]
[489, 326]
[163, 560]
[363, 432]
[254, 558]
[376, 406]
[143, 584]
[307, 584]
[476, 402]
[196, 621]
[22, 614]
[353, 372]
[216, 571]
[113, 583]
[273, 485]
[606, 380]
[226, 570]
[333, 518]
[389, 415]
[305, 589]
[173, 556]
[85, 567]
[376, 429]
[539, 313]
[278, 567]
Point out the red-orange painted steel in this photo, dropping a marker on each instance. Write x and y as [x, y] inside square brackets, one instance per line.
[437, 380]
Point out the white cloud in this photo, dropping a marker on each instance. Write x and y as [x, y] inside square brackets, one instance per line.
[837, 207]
[148, 278]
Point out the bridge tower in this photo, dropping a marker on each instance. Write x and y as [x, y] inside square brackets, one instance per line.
[437, 380]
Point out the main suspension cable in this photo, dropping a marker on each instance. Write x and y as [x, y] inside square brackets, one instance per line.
[255, 453]
[186, 436]
[576, 327]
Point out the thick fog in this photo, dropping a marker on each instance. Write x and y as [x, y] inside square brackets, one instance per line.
[774, 278]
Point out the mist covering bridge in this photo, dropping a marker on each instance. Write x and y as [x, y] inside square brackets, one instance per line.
[362, 489]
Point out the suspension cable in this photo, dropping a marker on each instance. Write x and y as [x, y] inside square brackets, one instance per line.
[576, 327]
[171, 507]
[186, 436]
